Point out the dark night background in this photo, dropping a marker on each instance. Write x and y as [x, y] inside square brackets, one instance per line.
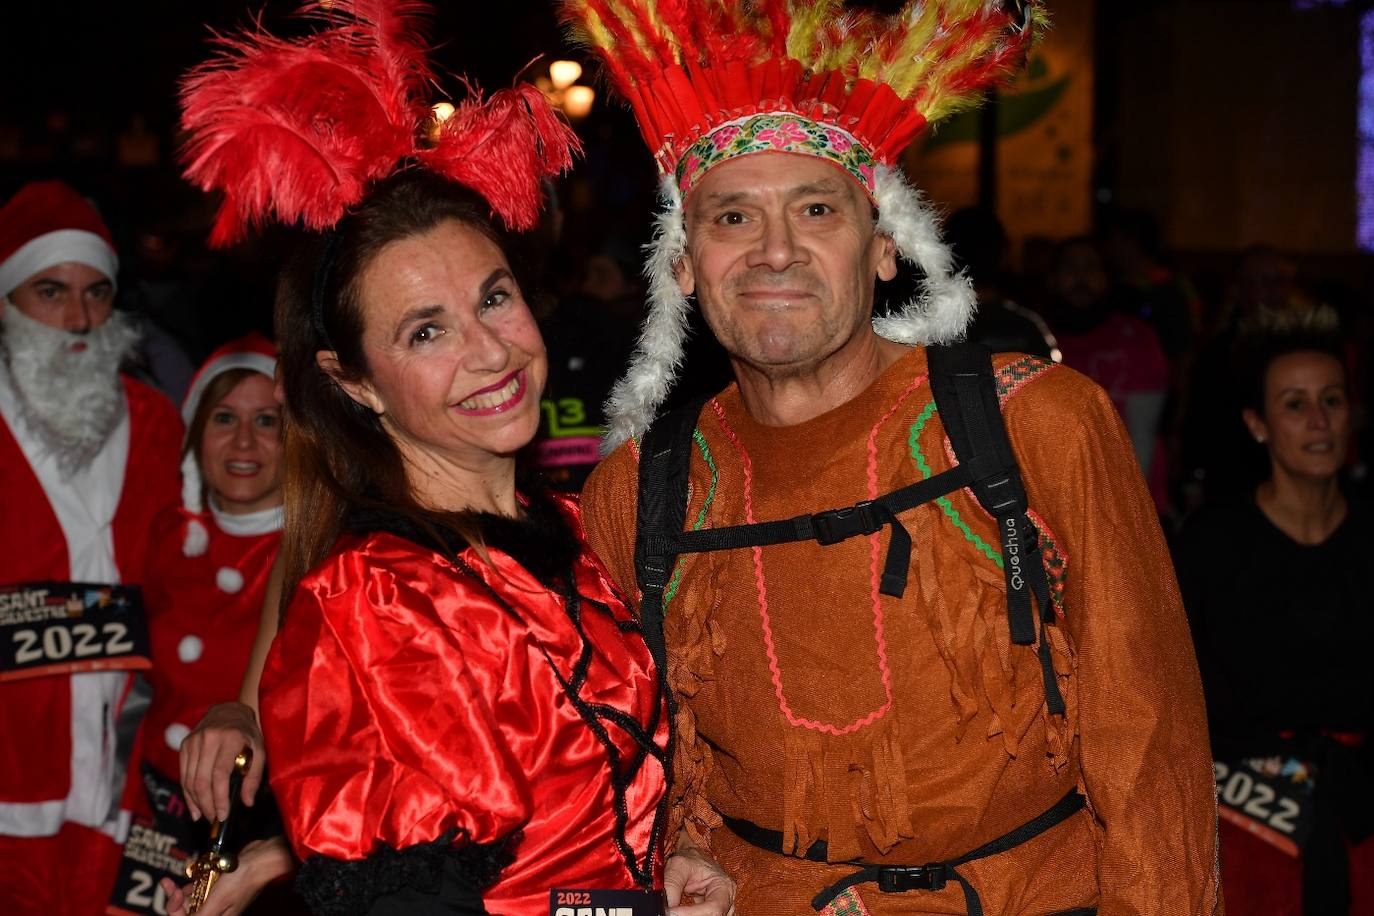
[89, 96]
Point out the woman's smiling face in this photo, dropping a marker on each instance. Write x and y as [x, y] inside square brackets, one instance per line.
[455, 363]
[240, 448]
[1306, 420]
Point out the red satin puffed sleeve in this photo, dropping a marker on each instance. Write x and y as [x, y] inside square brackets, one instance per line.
[377, 728]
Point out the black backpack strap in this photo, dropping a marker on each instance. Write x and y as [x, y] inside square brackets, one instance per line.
[829, 527]
[965, 390]
[665, 457]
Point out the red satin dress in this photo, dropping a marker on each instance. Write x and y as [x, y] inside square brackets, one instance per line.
[410, 694]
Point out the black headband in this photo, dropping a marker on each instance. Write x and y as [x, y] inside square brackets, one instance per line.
[329, 255]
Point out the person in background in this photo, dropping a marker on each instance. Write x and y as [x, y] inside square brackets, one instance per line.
[590, 335]
[1150, 289]
[1118, 351]
[1275, 585]
[209, 570]
[979, 242]
[1219, 464]
[88, 458]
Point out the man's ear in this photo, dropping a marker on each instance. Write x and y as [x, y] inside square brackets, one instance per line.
[360, 391]
[886, 267]
[686, 279]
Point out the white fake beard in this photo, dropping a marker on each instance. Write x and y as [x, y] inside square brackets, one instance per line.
[71, 401]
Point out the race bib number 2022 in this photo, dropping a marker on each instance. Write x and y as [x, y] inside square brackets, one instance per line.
[1270, 797]
[587, 902]
[49, 628]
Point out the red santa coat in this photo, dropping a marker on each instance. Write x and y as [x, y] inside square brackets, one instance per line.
[202, 619]
[40, 774]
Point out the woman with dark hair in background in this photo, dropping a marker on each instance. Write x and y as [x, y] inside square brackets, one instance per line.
[1276, 588]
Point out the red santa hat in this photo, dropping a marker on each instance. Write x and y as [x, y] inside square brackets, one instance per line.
[48, 223]
[253, 352]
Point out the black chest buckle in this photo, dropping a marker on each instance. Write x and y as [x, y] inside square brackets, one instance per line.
[894, 879]
[841, 524]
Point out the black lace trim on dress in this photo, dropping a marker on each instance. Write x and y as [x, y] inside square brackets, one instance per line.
[337, 887]
[540, 540]
[596, 715]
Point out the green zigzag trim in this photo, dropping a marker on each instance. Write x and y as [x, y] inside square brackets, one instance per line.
[950, 512]
[705, 450]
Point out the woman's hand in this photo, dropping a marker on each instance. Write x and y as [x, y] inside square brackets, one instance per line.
[260, 863]
[689, 871]
[207, 759]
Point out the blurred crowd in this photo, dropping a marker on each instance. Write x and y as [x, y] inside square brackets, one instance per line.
[1113, 305]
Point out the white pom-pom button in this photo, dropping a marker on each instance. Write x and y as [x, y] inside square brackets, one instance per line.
[229, 579]
[190, 649]
[175, 734]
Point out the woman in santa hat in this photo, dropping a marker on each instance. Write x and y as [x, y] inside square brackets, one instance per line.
[211, 558]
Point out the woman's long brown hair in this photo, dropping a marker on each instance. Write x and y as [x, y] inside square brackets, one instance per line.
[337, 455]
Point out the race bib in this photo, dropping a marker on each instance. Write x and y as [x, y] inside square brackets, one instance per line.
[586, 902]
[158, 847]
[49, 628]
[1270, 797]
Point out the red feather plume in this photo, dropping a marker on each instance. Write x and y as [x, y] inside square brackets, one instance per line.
[297, 130]
[502, 148]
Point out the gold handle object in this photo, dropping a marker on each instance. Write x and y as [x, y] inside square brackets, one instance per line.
[206, 868]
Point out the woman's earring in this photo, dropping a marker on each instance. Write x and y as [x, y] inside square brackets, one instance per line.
[1259, 439]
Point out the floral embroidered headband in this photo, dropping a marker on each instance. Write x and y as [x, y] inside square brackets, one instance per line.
[779, 132]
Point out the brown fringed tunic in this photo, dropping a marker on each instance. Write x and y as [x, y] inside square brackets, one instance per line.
[912, 730]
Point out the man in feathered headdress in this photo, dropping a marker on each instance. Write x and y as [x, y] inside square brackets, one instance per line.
[924, 638]
[87, 458]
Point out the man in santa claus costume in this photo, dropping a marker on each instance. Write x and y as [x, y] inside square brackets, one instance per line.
[88, 457]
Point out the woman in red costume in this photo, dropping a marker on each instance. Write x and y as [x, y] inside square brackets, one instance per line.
[459, 713]
[212, 555]
[210, 559]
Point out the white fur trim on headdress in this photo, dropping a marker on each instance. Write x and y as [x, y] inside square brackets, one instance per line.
[635, 399]
[940, 314]
[57, 247]
[943, 310]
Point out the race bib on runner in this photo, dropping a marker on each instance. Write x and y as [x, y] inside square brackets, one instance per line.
[158, 847]
[49, 628]
[586, 902]
[1270, 797]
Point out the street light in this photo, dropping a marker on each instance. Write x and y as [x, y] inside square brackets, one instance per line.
[563, 73]
[560, 89]
[577, 101]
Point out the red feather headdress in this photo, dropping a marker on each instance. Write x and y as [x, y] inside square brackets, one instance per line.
[297, 130]
[691, 67]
